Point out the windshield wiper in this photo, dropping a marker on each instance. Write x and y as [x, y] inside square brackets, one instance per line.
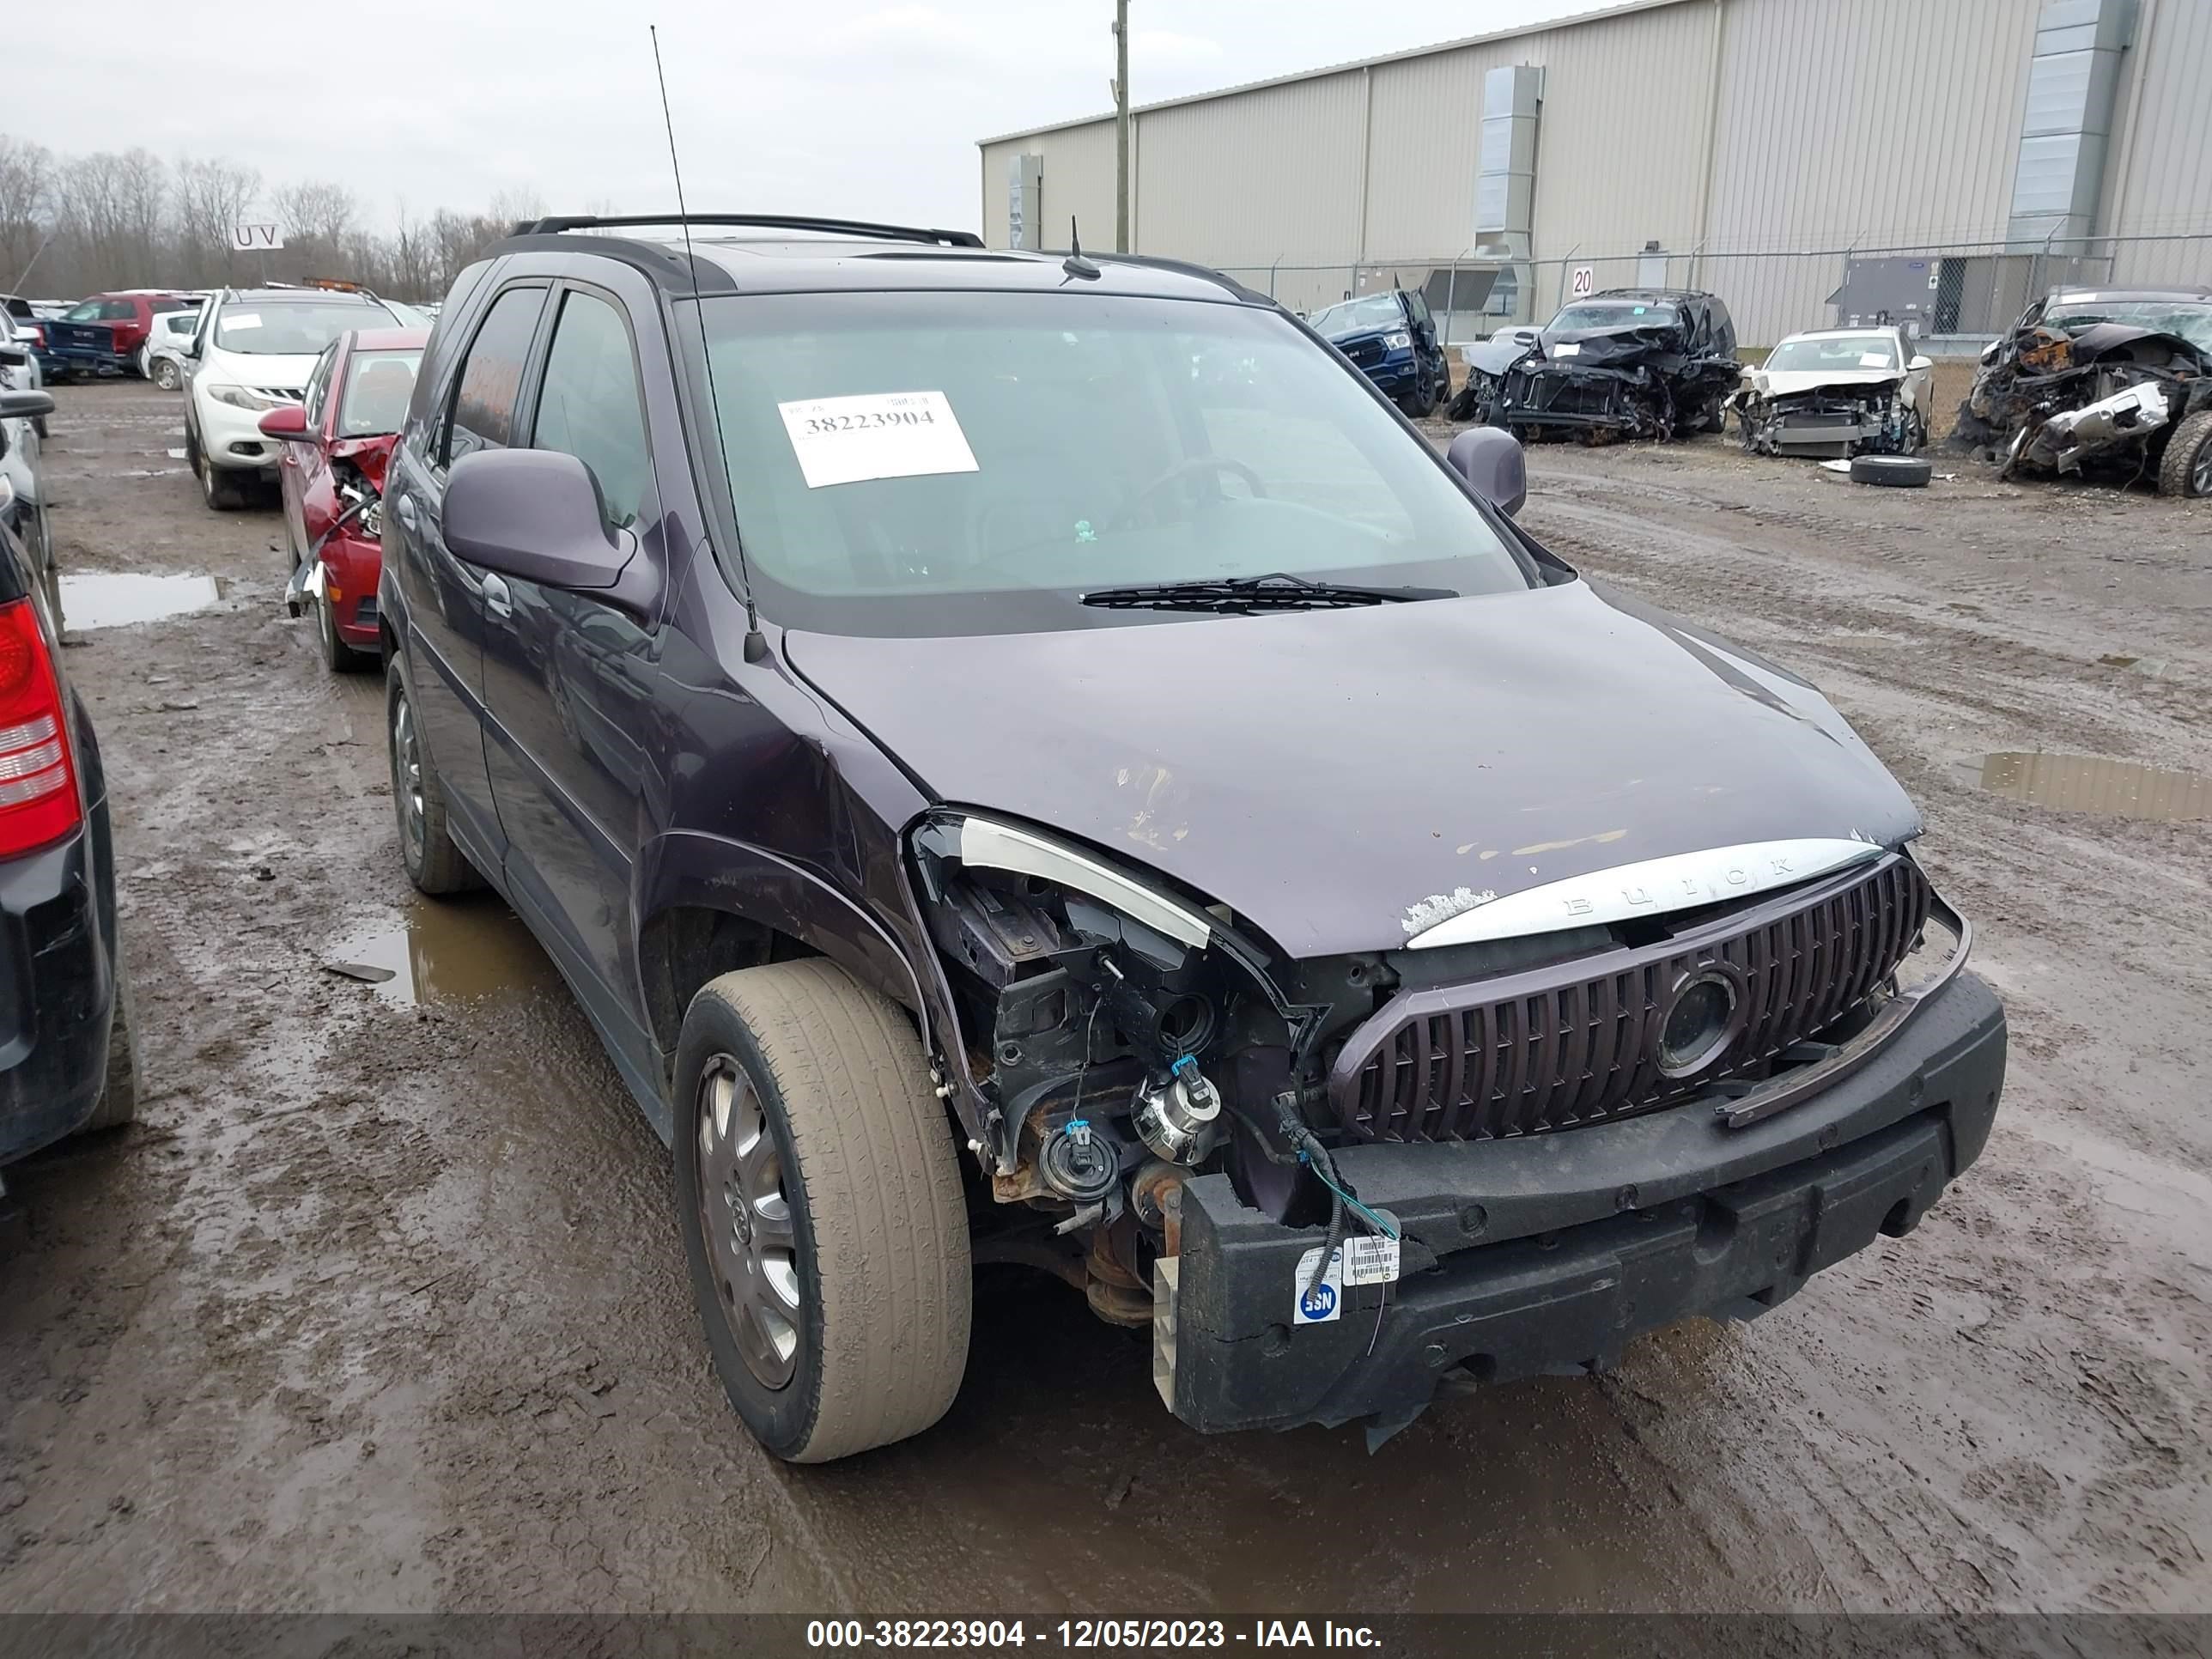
[1250, 595]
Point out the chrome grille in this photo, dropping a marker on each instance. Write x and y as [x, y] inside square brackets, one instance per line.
[1561, 1046]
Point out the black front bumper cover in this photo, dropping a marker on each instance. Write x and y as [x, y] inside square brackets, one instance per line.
[1543, 1255]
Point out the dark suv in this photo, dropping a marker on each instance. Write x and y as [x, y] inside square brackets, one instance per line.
[1628, 362]
[1033, 760]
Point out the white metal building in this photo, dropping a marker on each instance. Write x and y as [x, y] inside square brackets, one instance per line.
[1753, 147]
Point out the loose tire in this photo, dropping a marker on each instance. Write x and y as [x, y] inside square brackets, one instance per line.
[2186, 467]
[1893, 472]
[427, 851]
[818, 1196]
[119, 1098]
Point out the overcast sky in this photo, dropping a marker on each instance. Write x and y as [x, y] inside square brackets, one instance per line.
[823, 106]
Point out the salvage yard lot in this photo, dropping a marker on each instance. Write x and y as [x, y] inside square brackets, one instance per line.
[380, 1305]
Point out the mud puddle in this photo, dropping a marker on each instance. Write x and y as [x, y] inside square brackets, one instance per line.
[2089, 783]
[107, 598]
[446, 952]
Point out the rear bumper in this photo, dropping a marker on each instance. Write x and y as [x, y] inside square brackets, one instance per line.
[1543, 1255]
[56, 992]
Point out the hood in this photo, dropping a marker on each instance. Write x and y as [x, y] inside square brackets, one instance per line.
[249, 368]
[1616, 348]
[371, 455]
[1494, 355]
[1790, 382]
[1333, 776]
[1341, 337]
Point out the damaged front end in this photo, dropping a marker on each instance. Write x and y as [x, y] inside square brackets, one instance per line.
[1831, 422]
[2103, 400]
[1334, 1187]
[1600, 388]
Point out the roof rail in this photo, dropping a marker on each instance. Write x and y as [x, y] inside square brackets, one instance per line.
[556, 226]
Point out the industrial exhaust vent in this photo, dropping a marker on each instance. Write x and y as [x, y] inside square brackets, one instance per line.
[1505, 185]
[2073, 82]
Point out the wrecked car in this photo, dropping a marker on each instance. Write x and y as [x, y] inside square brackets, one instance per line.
[1836, 393]
[1004, 792]
[1627, 363]
[333, 448]
[1391, 337]
[2113, 382]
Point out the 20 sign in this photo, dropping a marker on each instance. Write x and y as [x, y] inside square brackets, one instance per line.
[256, 239]
[1581, 282]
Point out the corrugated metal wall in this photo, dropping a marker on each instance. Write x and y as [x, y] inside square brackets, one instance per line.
[1837, 123]
[2164, 156]
[1874, 123]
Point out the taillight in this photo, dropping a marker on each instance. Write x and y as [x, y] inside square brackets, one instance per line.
[38, 777]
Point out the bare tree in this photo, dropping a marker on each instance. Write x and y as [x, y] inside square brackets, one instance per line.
[211, 198]
[27, 178]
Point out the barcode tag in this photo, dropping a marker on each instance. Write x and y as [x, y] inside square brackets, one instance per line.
[1369, 1261]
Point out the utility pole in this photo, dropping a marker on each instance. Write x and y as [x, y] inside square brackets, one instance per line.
[1121, 126]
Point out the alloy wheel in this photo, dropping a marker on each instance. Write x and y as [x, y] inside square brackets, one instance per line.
[407, 777]
[2200, 472]
[746, 1222]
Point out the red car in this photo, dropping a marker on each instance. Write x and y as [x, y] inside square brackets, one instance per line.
[331, 470]
[104, 335]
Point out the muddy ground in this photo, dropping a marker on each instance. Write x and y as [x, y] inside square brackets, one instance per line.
[381, 1305]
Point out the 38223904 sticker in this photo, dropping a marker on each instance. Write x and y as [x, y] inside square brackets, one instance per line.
[877, 434]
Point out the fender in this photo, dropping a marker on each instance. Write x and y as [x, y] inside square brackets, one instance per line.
[689, 867]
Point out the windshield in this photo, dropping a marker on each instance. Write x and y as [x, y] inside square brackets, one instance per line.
[2190, 318]
[1611, 313]
[1369, 311]
[1834, 353]
[933, 463]
[378, 386]
[290, 328]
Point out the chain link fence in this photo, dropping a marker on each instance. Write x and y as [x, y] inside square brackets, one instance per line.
[1954, 296]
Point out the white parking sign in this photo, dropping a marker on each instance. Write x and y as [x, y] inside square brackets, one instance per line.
[1581, 282]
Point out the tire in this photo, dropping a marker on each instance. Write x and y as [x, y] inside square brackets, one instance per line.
[167, 375]
[427, 851]
[2185, 470]
[337, 656]
[221, 493]
[836, 1307]
[1716, 418]
[118, 1097]
[1895, 472]
[1417, 404]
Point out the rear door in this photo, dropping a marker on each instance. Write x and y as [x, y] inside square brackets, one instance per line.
[476, 399]
[571, 683]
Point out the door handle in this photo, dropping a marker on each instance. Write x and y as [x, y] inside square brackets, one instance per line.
[498, 602]
[404, 510]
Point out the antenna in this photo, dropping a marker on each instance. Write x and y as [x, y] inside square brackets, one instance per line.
[1075, 264]
[755, 646]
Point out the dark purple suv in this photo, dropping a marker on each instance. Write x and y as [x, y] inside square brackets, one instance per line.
[1031, 759]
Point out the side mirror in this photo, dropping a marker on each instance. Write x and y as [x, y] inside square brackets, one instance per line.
[1491, 463]
[535, 515]
[1920, 364]
[25, 405]
[289, 422]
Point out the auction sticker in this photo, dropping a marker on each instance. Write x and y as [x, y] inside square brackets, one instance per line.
[1325, 1300]
[1566, 349]
[880, 434]
[1369, 1259]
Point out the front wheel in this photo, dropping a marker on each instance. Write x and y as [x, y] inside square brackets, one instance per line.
[2185, 469]
[337, 656]
[222, 492]
[818, 1196]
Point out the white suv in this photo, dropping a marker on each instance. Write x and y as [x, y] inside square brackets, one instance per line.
[253, 353]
